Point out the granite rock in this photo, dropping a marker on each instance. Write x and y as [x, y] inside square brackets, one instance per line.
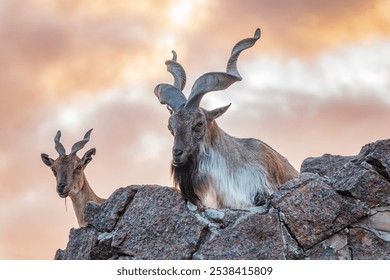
[338, 208]
[313, 210]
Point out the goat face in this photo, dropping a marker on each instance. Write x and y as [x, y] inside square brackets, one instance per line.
[69, 172]
[69, 169]
[191, 129]
[188, 129]
[189, 122]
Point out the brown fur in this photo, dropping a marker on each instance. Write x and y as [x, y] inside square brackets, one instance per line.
[237, 152]
[71, 181]
[210, 166]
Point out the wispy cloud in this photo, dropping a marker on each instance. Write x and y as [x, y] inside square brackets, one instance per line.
[317, 81]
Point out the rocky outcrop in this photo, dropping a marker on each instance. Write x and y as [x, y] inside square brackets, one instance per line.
[338, 208]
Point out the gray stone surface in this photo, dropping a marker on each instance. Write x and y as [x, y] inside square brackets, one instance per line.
[82, 241]
[158, 225]
[366, 245]
[104, 217]
[333, 248]
[338, 208]
[313, 211]
[325, 166]
[250, 237]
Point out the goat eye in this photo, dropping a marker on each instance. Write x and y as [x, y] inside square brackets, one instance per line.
[54, 172]
[79, 168]
[199, 124]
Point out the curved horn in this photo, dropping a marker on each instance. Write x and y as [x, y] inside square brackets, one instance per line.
[237, 49]
[209, 82]
[171, 96]
[80, 144]
[214, 81]
[177, 71]
[59, 147]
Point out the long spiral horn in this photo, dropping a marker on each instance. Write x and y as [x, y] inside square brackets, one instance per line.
[172, 95]
[215, 81]
[177, 72]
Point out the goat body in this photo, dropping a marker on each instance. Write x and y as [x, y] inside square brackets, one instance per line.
[229, 172]
[209, 166]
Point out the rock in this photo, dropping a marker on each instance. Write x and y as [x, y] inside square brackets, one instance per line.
[378, 223]
[83, 240]
[352, 174]
[104, 217]
[365, 245]
[338, 208]
[366, 185]
[158, 225]
[334, 248]
[103, 249]
[252, 235]
[326, 166]
[60, 255]
[377, 154]
[367, 177]
[292, 249]
[312, 210]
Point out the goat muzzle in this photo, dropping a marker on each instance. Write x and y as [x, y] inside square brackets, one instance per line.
[61, 190]
[179, 157]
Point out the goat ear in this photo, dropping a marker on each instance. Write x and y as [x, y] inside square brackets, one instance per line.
[88, 156]
[46, 160]
[213, 114]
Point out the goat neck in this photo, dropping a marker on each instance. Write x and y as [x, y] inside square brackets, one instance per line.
[81, 199]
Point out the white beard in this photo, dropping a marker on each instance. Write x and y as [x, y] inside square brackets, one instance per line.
[236, 187]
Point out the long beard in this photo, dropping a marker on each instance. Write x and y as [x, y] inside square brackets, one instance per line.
[189, 180]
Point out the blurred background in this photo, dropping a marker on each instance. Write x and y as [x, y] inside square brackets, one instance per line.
[318, 81]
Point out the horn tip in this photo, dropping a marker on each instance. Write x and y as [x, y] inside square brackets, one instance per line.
[257, 33]
[58, 136]
[88, 133]
[174, 55]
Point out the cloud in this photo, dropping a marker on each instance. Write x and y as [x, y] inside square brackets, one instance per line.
[357, 69]
[299, 28]
[316, 82]
[43, 216]
[311, 126]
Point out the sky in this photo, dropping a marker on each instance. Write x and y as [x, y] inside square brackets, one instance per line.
[317, 81]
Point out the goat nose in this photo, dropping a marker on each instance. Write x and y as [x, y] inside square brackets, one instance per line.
[61, 186]
[177, 152]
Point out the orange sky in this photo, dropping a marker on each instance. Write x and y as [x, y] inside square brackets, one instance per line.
[318, 81]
